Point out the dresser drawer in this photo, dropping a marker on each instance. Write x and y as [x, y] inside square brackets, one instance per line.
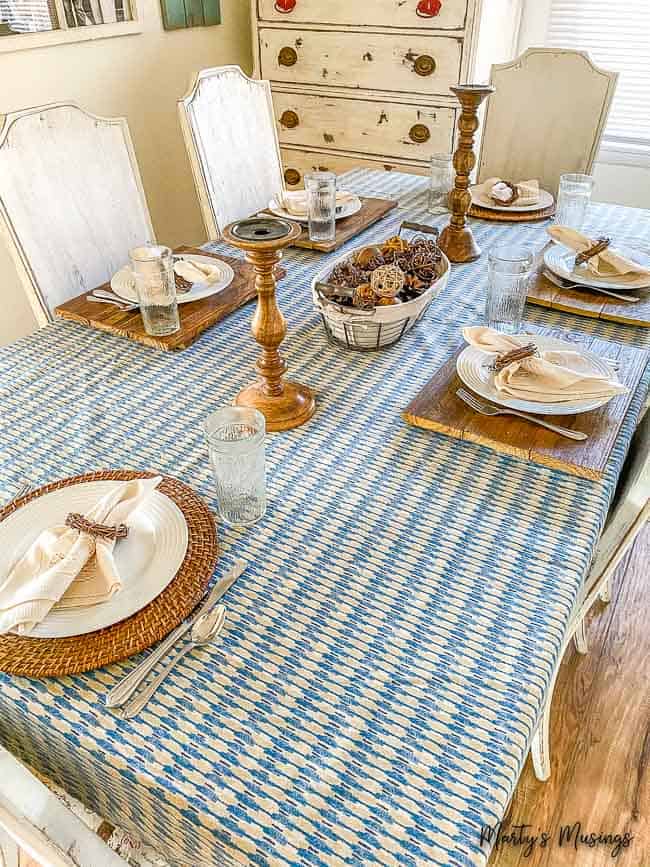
[430, 14]
[381, 128]
[296, 163]
[390, 62]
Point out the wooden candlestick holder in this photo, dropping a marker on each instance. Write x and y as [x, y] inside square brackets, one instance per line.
[283, 403]
[457, 239]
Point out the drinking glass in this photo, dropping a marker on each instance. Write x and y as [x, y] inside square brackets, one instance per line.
[509, 270]
[573, 200]
[321, 203]
[155, 285]
[235, 438]
[442, 182]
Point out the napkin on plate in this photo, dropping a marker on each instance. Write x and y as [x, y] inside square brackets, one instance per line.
[197, 272]
[609, 263]
[556, 375]
[528, 192]
[296, 202]
[46, 574]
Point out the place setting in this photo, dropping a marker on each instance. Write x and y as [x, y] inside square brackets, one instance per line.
[164, 298]
[509, 201]
[96, 568]
[328, 216]
[530, 391]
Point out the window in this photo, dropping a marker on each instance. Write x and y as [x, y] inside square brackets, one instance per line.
[38, 16]
[616, 35]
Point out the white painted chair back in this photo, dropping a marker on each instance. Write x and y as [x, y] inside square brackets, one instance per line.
[71, 200]
[546, 116]
[34, 823]
[229, 129]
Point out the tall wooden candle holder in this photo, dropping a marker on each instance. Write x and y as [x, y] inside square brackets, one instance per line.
[283, 403]
[457, 239]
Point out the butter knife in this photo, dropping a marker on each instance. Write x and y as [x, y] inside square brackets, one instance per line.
[128, 685]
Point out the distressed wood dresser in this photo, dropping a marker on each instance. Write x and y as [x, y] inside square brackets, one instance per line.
[366, 82]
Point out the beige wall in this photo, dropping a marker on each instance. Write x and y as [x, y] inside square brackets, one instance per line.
[139, 77]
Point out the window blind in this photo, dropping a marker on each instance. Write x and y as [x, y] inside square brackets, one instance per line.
[616, 35]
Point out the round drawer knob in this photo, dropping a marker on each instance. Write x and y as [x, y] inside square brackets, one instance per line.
[292, 177]
[424, 65]
[419, 133]
[288, 56]
[285, 5]
[289, 119]
[428, 8]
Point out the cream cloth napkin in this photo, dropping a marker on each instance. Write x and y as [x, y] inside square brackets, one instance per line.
[197, 272]
[296, 202]
[552, 377]
[46, 573]
[528, 192]
[606, 264]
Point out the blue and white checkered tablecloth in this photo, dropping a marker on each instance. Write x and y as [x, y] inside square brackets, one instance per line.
[390, 644]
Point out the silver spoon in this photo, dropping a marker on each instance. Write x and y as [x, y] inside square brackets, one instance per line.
[205, 630]
[561, 283]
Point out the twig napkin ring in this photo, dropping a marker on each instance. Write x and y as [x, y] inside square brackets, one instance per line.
[77, 521]
[518, 354]
[600, 245]
[514, 194]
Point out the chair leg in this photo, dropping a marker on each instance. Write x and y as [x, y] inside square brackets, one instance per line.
[605, 592]
[580, 638]
[540, 747]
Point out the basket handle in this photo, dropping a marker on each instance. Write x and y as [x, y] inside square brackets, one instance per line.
[418, 227]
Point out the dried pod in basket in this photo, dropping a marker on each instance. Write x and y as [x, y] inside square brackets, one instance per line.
[364, 296]
[348, 274]
[387, 281]
[369, 257]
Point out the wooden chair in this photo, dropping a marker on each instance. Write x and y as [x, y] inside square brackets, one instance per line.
[230, 134]
[71, 200]
[629, 512]
[546, 116]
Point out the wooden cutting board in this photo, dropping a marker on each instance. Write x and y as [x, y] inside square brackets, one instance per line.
[437, 408]
[195, 316]
[583, 302]
[371, 211]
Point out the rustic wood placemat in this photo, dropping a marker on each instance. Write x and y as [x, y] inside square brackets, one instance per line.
[583, 302]
[195, 316]
[371, 211]
[53, 657]
[437, 408]
[511, 216]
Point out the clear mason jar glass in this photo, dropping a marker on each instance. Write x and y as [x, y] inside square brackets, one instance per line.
[321, 204]
[153, 272]
[509, 271]
[441, 182]
[235, 436]
[573, 200]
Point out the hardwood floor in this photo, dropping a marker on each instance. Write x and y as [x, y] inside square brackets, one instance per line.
[600, 738]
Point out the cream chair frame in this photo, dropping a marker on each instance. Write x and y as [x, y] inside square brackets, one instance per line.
[72, 202]
[556, 132]
[627, 516]
[232, 142]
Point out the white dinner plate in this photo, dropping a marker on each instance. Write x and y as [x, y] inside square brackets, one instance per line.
[545, 201]
[473, 370]
[561, 261]
[147, 559]
[122, 282]
[345, 210]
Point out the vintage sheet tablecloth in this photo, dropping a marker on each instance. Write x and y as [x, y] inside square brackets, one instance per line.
[390, 643]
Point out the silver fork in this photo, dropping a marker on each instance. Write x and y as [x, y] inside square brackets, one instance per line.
[561, 283]
[488, 409]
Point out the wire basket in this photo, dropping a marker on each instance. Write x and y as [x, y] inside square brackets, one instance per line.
[379, 327]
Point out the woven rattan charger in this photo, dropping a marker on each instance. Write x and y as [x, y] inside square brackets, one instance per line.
[51, 657]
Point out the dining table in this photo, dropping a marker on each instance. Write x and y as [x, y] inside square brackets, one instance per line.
[388, 649]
